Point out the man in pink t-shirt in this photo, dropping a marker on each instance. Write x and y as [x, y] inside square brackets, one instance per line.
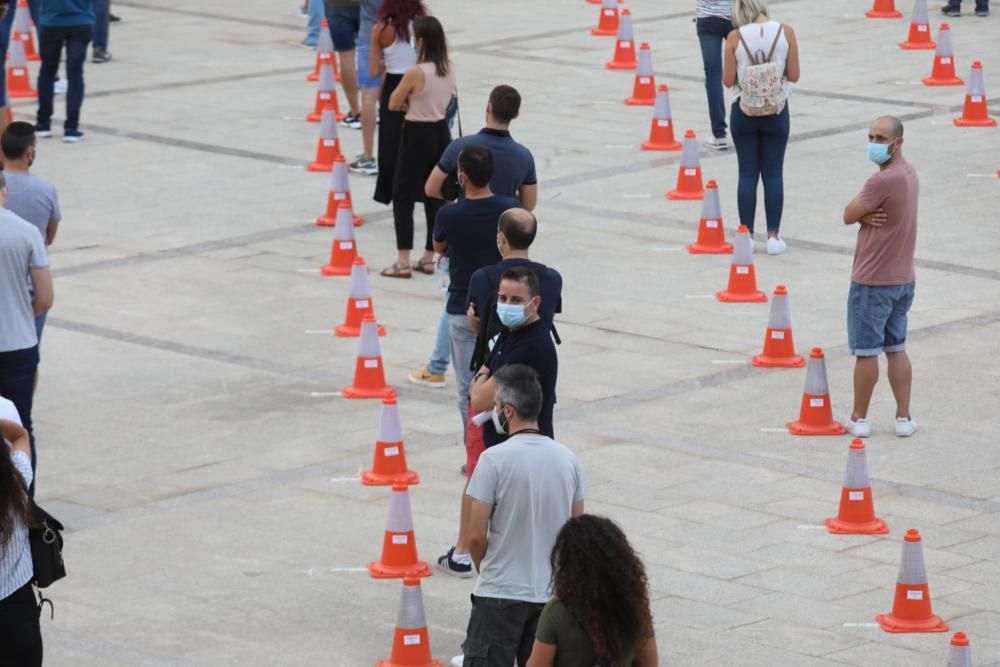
[883, 278]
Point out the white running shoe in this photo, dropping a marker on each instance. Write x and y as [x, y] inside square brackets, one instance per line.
[905, 427]
[860, 428]
[717, 143]
[776, 246]
[458, 660]
[60, 86]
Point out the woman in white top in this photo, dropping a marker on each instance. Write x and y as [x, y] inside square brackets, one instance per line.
[423, 95]
[392, 53]
[760, 140]
[20, 635]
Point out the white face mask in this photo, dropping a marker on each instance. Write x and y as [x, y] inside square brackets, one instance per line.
[495, 417]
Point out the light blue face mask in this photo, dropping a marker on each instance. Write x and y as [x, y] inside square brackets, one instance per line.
[878, 153]
[512, 315]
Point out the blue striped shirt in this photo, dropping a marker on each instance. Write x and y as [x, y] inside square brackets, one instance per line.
[15, 562]
[720, 8]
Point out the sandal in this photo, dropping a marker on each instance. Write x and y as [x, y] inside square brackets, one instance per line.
[397, 271]
[425, 266]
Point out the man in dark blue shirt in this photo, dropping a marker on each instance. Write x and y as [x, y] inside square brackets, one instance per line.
[466, 230]
[69, 23]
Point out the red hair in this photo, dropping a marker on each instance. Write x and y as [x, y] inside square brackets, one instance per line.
[399, 14]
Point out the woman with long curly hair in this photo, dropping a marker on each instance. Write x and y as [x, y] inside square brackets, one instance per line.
[20, 636]
[599, 615]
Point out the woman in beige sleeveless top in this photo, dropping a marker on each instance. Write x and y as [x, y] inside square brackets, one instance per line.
[423, 94]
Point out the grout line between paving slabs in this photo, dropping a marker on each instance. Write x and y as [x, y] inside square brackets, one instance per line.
[209, 15]
[333, 467]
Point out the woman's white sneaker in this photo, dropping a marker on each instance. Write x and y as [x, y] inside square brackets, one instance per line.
[776, 246]
[860, 428]
[905, 427]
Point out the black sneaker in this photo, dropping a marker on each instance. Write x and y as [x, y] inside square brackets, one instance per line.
[982, 13]
[352, 121]
[100, 56]
[44, 132]
[114, 18]
[71, 136]
[449, 565]
[949, 11]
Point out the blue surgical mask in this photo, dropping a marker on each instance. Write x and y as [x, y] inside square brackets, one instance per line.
[512, 315]
[878, 153]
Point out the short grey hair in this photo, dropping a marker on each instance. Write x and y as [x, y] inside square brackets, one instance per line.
[747, 11]
[517, 385]
[895, 125]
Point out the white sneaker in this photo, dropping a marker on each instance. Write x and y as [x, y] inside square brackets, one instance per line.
[776, 246]
[717, 143]
[905, 427]
[60, 87]
[458, 660]
[861, 428]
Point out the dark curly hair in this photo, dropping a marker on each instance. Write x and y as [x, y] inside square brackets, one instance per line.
[602, 582]
[399, 14]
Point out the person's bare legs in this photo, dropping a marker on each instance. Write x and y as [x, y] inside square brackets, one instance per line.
[865, 378]
[349, 78]
[369, 103]
[900, 379]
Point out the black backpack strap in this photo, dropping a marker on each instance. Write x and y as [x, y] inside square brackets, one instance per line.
[486, 315]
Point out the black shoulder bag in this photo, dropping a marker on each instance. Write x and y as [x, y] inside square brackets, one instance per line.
[45, 537]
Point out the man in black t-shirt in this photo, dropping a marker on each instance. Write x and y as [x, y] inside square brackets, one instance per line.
[527, 341]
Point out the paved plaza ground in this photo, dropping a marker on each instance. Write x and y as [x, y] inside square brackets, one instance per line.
[188, 435]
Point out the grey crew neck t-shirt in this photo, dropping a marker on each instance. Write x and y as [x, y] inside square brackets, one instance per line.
[21, 249]
[33, 199]
[532, 482]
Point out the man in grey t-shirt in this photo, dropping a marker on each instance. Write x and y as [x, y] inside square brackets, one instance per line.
[22, 255]
[31, 198]
[523, 491]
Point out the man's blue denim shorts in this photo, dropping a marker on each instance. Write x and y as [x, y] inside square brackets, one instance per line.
[876, 318]
[365, 81]
[344, 25]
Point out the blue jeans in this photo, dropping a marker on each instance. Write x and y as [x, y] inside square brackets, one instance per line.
[877, 318]
[438, 363]
[980, 4]
[760, 150]
[5, 28]
[51, 41]
[345, 22]
[712, 33]
[316, 12]
[17, 385]
[101, 11]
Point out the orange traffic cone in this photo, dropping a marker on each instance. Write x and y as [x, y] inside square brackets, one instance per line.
[711, 234]
[920, 29]
[326, 96]
[857, 508]
[689, 173]
[390, 458]
[661, 130]
[328, 145]
[943, 71]
[884, 9]
[399, 547]
[324, 53]
[974, 114]
[959, 653]
[644, 87]
[911, 608]
[624, 44]
[340, 191]
[22, 30]
[779, 347]
[816, 413]
[597, 2]
[359, 302]
[607, 22]
[18, 80]
[369, 375]
[344, 248]
[742, 275]
[411, 646]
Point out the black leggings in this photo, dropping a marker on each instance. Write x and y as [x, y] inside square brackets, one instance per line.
[402, 214]
[420, 147]
[20, 634]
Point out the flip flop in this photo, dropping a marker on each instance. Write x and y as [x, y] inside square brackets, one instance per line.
[396, 271]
